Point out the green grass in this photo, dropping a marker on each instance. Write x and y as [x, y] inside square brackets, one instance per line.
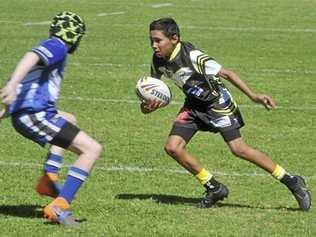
[270, 44]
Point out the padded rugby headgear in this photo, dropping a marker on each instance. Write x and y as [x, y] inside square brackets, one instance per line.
[67, 26]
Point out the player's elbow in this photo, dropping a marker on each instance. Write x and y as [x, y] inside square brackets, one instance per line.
[227, 74]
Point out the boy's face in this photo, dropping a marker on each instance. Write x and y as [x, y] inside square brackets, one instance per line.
[161, 44]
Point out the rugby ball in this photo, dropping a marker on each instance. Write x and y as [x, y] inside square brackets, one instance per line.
[149, 88]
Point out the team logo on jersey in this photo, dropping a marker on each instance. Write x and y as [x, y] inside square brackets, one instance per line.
[182, 75]
[179, 77]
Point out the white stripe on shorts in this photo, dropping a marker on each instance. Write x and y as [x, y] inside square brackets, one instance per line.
[40, 117]
[26, 119]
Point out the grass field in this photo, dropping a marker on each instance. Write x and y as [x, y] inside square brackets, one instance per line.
[135, 188]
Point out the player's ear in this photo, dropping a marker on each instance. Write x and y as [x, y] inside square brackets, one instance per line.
[174, 39]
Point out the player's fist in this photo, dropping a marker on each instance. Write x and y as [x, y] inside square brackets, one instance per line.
[150, 106]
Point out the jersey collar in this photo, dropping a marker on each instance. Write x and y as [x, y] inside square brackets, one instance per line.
[59, 40]
[175, 51]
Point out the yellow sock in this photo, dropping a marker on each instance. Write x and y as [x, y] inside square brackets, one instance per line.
[203, 176]
[278, 172]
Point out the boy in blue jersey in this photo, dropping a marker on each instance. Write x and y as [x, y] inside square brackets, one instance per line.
[30, 97]
[208, 106]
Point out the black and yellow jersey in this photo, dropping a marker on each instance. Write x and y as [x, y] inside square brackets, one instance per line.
[193, 71]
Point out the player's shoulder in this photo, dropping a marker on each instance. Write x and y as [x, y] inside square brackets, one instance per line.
[52, 49]
[196, 54]
[191, 51]
[187, 46]
[54, 44]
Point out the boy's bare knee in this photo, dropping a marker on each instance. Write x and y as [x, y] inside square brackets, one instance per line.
[239, 151]
[88, 147]
[172, 149]
[98, 148]
[94, 149]
[68, 117]
[72, 119]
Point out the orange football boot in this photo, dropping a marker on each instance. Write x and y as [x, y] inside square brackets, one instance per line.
[48, 185]
[53, 210]
[58, 213]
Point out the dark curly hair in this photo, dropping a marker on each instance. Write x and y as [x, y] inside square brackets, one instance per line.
[167, 25]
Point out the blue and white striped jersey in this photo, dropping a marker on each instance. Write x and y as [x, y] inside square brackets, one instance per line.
[40, 88]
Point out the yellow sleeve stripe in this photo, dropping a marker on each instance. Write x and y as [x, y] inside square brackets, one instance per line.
[201, 59]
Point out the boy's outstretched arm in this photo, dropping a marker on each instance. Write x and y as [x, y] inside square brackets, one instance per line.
[8, 92]
[231, 76]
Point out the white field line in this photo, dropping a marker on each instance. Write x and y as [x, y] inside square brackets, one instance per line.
[109, 100]
[160, 5]
[253, 29]
[145, 65]
[110, 13]
[10, 22]
[238, 29]
[37, 23]
[266, 71]
[213, 28]
[110, 65]
[135, 169]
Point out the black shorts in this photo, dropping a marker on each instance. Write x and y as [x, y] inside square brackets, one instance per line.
[224, 118]
[66, 136]
[45, 127]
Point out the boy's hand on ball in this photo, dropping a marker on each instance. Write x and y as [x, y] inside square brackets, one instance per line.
[150, 106]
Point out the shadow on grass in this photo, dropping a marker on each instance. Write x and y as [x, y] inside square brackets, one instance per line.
[179, 200]
[26, 211]
[29, 211]
[160, 198]
[235, 205]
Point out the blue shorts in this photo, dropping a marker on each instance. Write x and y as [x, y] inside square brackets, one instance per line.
[45, 127]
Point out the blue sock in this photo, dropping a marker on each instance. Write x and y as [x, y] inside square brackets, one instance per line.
[53, 163]
[73, 182]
